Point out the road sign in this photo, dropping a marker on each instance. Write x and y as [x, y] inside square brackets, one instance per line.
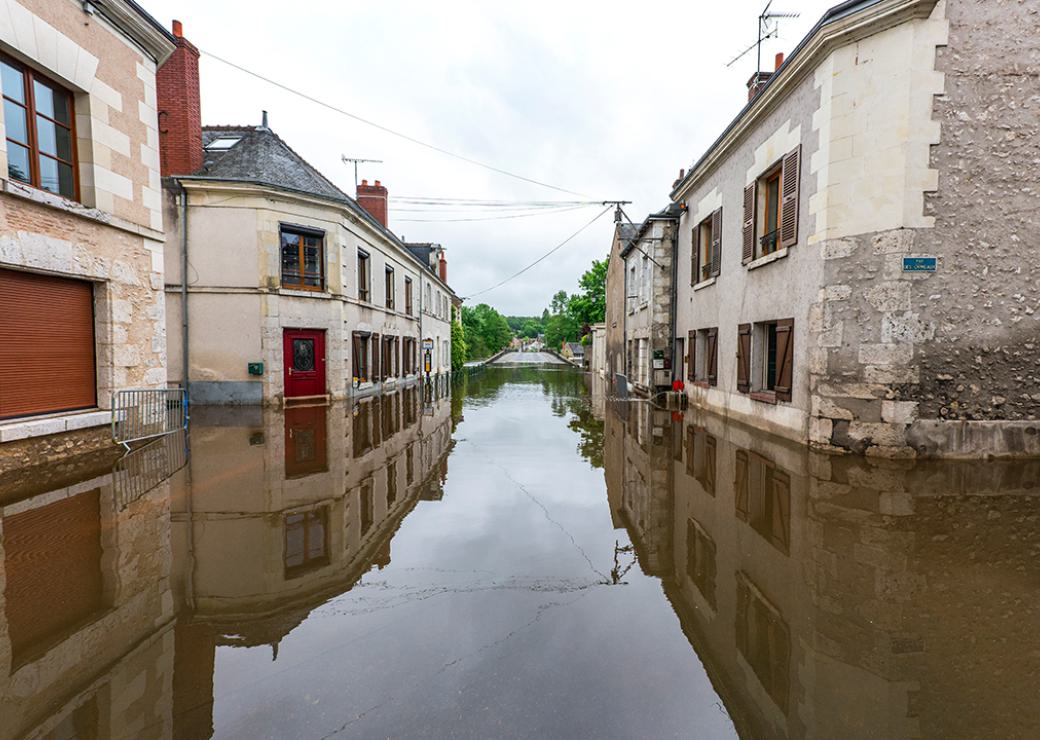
[427, 344]
[920, 264]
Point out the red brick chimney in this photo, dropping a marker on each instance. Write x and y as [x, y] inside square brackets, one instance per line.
[759, 79]
[180, 109]
[373, 198]
[443, 271]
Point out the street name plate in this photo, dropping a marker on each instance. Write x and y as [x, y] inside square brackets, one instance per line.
[919, 264]
[427, 344]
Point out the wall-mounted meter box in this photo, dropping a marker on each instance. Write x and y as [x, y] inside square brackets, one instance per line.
[256, 368]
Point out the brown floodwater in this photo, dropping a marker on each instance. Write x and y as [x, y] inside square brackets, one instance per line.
[516, 556]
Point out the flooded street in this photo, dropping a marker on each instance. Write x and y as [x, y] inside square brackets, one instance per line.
[518, 556]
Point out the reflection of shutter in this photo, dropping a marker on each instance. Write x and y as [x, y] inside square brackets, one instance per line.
[690, 442]
[750, 198]
[713, 356]
[744, 358]
[780, 526]
[741, 483]
[695, 245]
[716, 242]
[691, 357]
[355, 355]
[784, 358]
[789, 199]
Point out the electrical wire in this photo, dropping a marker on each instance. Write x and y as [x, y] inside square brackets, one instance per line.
[489, 218]
[388, 130]
[551, 251]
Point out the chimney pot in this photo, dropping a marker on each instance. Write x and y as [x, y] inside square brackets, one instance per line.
[779, 60]
[178, 30]
[378, 183]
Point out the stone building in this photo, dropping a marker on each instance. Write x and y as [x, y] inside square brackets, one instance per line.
[81, 223]
[294, 289]
[858, 250]
[614, 331]
[648, 260]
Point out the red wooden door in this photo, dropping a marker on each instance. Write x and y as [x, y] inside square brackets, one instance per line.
[303, 353]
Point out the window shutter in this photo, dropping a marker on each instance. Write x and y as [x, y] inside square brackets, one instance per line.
[784, 358]
[744, 358]
[716, 242]
[713, 356]
[691, 356]
[695, 242]
[789, 199]
[355, 355]
[374, 358]
[750, 200]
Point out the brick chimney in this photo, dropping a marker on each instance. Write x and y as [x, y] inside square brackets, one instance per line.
[443, 268]
[373, 198]
[180, 109]
[759, 79]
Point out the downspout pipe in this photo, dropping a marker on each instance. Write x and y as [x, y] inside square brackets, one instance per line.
[184, 288]
[675, 296]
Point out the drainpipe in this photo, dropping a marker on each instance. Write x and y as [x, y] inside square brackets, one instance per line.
[675, 295]
[184, 288]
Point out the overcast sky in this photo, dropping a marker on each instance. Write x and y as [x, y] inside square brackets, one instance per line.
[605, 100]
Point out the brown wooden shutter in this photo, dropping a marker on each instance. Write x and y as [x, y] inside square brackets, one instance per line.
[716, 242]
[784, 358]
[744, 358]
[713, 356]
[789, 199]
[373, 358]
[695, 243]
[355, 355]
[691, 356]
[46, 344]
[750, 201]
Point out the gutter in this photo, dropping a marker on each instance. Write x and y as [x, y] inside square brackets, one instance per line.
[184, 289]
[675, 297]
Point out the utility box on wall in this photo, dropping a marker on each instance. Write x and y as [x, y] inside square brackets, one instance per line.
[256, 368]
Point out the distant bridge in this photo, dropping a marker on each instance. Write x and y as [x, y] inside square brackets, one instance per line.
[527, 358]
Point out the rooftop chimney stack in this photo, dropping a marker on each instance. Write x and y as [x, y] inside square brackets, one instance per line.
[180, 109]
[443, 268]
[778, 61]
[374, 199]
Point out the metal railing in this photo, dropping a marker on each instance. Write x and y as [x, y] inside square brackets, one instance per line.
[143, 413]
[138, 472]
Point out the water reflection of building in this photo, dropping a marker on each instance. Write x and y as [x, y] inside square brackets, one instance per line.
[280, 511]
[86, 615]
[832, 597]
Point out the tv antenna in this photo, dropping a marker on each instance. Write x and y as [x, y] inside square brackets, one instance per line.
[768, 28]
[356, 161]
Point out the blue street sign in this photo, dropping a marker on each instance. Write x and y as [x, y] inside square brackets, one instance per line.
[919, 264]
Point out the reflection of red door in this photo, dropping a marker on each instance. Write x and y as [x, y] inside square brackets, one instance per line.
[305, 448]
[303, 351]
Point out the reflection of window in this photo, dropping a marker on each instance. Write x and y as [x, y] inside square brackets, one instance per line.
[306, 545]
[763, 498]
[367, 503]
[764, 640]
[700, 561]
[391, 484]
[700, 457]
[409, 465]
[38, 119]
[52, 562]
[362, 428]
[302, 259]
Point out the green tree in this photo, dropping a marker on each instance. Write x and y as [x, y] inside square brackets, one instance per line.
[486, 331]
[458, 342]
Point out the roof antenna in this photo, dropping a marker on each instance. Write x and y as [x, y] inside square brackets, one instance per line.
[356, 161]
[263, 124]
[768, 27]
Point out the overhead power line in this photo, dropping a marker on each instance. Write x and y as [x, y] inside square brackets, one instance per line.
[500, 217]
[547, 254]
[386, 129]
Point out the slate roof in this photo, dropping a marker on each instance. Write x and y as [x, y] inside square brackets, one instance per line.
[421, 251]
[262, 157]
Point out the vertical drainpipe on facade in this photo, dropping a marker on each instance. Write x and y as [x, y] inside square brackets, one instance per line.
[184, 289]
[674, 298]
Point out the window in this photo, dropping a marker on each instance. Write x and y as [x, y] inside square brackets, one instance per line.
[765, 356]
[408, 296]
[303, 259]
[762, 495]
[222, 143]
[367, 507]
[39, 119]
[391, 484]
[390, 288]
[771, 209]
[707, 248]
[363, 277]
[703, 358]
[633, 289]
[427, 300]
[360, 357]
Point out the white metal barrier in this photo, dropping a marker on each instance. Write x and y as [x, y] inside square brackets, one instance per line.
[143, 413]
